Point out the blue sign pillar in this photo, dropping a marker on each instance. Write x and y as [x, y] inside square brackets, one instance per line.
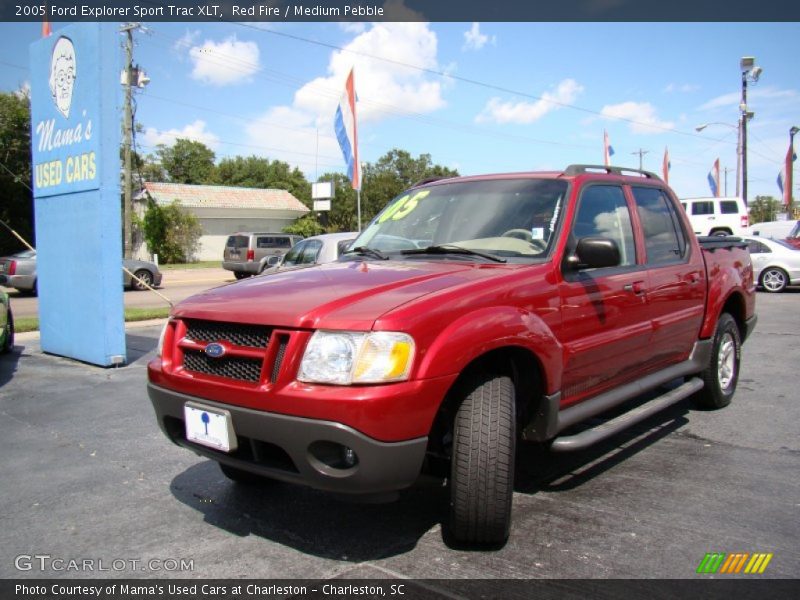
[75, 138]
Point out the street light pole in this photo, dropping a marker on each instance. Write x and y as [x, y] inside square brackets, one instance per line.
[749, 72]
[641, 154]
[738, 128]
[790, 170]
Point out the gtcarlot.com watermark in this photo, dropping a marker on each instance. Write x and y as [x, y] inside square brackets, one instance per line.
[48, 562]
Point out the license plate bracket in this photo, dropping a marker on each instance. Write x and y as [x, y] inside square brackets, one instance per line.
[212, 427]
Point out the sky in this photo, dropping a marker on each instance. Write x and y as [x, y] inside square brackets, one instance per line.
[477, 97]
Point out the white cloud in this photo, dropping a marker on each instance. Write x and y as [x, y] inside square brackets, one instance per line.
[226, 62]
[193, 131]
[385, 88]
[733, 98]
[186, 41]
[475, 40]
[499, 111]
[642, 114]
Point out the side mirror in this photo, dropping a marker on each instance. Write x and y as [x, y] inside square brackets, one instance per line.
[596, 253]
[274, 260]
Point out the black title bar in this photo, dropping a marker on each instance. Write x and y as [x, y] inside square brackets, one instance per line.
[279, 11]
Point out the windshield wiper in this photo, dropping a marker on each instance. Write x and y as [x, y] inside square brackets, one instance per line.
[367, 251]
[453, 249]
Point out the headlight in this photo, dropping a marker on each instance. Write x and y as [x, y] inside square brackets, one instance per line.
[343, 357]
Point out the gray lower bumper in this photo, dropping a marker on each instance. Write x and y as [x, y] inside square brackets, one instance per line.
[278, 446]
[252, 268]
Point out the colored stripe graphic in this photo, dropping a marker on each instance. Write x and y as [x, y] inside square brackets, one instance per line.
[711, 562]
[731, 564]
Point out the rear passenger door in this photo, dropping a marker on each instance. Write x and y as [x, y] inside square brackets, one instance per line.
[605, 328]
[676, 278]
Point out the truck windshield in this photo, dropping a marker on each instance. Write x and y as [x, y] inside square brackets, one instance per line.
[513, 219]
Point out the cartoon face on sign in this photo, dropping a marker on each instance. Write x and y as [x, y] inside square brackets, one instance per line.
[63, 70]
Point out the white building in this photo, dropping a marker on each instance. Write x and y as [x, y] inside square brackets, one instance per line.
[223, 210]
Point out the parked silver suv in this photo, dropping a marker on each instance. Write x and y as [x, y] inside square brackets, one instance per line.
[249, 253]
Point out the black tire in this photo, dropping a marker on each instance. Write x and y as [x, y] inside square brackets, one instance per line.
[773, 280]
[146, 276]
[722, 373]
[240, 274]
[240, 476]
[482, 462]
[721, 232]
[8, 345]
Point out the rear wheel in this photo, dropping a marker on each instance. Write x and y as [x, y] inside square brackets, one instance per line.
[143, 277]
[722, 373]
[482, 462]
[774, 279]
[240, 274]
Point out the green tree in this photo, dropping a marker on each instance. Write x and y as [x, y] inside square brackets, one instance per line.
[187, 161]
[307, 225]
[16, 206]
[171, 232]
[394, 172]
[258, 172]
[763, 209]
[343, 215]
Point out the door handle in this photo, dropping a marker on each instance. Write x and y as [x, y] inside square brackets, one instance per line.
[637, 287]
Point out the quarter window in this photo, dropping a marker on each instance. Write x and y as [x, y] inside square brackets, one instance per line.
[729, 207]
[663, 235]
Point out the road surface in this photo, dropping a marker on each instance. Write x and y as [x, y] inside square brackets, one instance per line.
[176, 285]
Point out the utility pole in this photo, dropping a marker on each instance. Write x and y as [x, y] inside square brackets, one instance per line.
[127, 135]
[641, 154]
[726, 169]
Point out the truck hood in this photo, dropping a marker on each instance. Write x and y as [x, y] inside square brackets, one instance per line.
[349, 295]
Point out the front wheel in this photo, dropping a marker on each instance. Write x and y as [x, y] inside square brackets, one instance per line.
[722, 373]
[482, 462]
[774, 280]
[8, 345]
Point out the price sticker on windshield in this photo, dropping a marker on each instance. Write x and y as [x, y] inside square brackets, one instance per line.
[403, 207]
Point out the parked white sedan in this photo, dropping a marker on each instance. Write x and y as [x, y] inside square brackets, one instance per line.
[316, 250]
[776, 264]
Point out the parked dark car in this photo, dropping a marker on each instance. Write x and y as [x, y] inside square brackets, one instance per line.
[6, 324]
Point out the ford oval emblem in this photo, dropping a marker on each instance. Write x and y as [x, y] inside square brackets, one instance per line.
[215, 350]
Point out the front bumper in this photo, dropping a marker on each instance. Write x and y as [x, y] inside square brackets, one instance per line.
[280, 447]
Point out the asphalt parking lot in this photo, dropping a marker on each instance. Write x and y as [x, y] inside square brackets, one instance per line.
[87, 475]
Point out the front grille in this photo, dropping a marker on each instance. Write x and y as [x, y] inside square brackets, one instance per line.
[232, 367]
[253, 336]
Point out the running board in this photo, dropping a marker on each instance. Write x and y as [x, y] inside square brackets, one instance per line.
[586, 438]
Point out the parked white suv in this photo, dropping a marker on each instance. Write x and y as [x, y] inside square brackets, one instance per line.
[716, 216]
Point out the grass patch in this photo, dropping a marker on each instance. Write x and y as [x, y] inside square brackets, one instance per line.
[205, 264]
[24, 324]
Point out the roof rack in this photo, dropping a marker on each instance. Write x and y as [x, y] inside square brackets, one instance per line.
[578, 169]
[428, 180]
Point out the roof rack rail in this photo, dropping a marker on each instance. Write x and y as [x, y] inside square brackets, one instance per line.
[428, 180]
[578, 169]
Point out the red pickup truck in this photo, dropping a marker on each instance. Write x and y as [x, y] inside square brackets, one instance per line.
[471, 314]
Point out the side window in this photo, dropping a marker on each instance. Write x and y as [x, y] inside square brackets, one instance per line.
[265, 242]
[283, 242]
[663, 236]
[603, 212]
[293, 256]
[757, 247]
[702, 208]
[729, 207]
[310, 252]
